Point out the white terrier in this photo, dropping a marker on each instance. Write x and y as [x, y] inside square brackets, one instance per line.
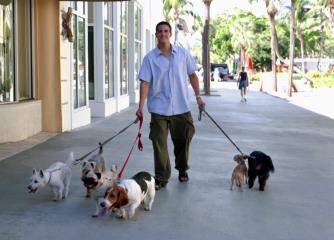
[57, 176]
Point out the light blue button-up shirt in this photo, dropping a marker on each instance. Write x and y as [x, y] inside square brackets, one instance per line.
[168, 79]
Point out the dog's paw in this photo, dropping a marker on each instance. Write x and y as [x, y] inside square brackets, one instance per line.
[147, 209]
[120, 216]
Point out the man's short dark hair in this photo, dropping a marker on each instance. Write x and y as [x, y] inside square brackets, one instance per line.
[163, 23]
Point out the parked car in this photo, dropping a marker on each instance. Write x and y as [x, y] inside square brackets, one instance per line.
[220, 72]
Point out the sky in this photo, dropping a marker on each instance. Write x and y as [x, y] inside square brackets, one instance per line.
[218, 7]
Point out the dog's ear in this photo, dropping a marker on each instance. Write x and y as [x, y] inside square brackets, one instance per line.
[84, 163]
[113, 168]
[109, 189]
[122, 198]
[41, 173]
[98, 175]
[34, 171]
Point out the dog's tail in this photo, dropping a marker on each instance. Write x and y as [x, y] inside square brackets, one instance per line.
[101, 148]
[271, 165]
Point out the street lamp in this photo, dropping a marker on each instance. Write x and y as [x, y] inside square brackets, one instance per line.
[206, 48]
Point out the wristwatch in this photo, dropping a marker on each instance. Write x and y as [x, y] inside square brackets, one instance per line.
[198, 97]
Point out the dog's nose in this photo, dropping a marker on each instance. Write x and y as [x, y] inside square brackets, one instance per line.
[103, 204]
[29, 187]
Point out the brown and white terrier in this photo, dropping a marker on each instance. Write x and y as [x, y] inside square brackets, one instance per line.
[240, 172]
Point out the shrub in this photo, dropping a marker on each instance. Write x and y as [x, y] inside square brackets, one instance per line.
[255, 77]
[321, 79]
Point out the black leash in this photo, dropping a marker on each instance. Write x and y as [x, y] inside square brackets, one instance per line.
[201, 110]
[77, 161]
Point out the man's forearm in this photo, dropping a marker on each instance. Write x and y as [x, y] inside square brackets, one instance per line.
[143, 93]
[194, 81]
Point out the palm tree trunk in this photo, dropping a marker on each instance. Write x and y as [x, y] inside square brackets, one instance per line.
[242, 56]
[271, 10]
[206, 50]
[273, 52]
[321, 39]
[300, 38]
[292, 45]
[331, 10]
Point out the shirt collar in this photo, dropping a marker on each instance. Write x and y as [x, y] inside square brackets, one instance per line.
[157, 51]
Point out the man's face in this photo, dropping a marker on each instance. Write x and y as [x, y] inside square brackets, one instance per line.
[163, 34]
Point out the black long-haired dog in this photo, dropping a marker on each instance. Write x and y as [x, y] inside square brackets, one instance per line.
[259, 165]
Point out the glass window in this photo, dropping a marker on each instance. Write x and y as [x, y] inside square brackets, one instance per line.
[138, 43]
[6, 52]
[79, 7]
[75, 65]
[15, 87]
[109, 67]
[79, 58]
[108, 14]
[81, 62]
[124, 65]
[124, 49]
[124, 17]
[24, 50]
[91, 63]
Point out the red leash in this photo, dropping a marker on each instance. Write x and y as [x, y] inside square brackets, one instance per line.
[140, 146]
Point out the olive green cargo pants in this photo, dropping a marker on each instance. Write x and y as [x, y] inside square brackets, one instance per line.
[182, 130]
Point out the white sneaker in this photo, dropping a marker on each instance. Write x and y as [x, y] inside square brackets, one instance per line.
[242, 100]
[245, 99]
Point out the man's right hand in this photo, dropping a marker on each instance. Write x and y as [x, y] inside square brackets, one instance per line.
[139, 113]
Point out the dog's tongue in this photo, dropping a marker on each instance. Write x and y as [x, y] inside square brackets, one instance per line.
[104, 211]
[33, 190]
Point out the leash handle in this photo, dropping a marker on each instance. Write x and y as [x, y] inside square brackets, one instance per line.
[140, 145]
[200, 112]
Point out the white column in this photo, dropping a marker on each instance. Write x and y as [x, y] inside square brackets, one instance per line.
[99, 52]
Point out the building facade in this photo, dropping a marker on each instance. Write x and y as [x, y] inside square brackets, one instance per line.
[64, 62]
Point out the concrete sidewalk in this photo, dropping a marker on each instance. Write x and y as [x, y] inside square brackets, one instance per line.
[297, 204]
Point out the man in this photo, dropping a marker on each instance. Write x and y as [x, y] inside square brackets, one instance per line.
[243, 83]
[164, 82]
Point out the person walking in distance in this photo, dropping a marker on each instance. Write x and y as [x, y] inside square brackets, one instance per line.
[164, 82]
[242, 83]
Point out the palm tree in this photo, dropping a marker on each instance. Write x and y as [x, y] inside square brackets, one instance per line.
[301, 16]
[272, 11]
[242, 36]
[292, 45]
[318, 13]
[173, 10]
[331, 10]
